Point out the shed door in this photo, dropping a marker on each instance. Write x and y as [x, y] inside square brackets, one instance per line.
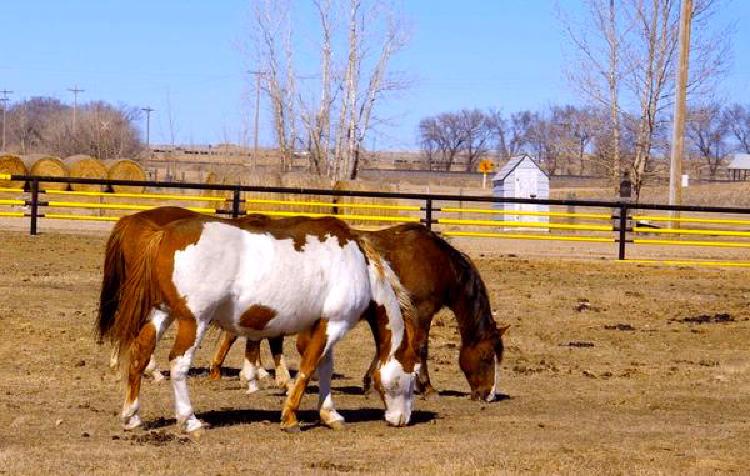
[527, 187]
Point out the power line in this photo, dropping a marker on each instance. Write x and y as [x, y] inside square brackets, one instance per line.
[258, 76]
[4, 100]
[75, 92]
[148, 110]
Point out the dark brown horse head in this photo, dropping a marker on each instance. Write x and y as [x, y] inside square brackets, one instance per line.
[480, 361]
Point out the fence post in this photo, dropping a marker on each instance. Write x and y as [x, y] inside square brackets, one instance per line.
[428, 213]
[34, 205]
[623, 229]
[236, 203]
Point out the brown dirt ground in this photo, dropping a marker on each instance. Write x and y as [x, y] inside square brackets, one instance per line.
[666, 396]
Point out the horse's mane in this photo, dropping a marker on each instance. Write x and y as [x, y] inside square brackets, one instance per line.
[478, 323]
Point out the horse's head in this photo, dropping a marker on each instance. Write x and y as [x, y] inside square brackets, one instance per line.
[395, 377]
[480, 363]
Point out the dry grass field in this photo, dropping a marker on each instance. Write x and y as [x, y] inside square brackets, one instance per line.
[609, 368]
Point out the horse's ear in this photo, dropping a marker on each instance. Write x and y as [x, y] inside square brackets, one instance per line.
[503, 329]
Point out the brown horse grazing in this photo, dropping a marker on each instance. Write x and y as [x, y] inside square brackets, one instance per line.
[198, 270]
[436, 275]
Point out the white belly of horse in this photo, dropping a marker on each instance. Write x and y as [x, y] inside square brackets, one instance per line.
[229, 271]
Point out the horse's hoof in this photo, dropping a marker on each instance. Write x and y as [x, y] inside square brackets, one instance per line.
[192, 426]
[214, 373]
[158, 376]
[133, 423]
[291, 427]
[252, 387]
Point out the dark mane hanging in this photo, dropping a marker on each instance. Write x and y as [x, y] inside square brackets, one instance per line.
[476, 323]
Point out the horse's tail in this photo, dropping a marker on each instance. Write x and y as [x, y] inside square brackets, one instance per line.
[388, 291]
[112, 279]
[140, 292]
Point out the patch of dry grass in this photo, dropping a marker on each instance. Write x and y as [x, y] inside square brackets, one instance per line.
[664, 397]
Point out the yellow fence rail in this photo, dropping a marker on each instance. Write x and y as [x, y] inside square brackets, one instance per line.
[383, 218]
[524, 224]
[118, 206]
[518, 236]
[13, 190]
[741, 264]
[13, 214]
[12, 202]
[155, 196]
[724, 221]
[593, 216]
[311, 203]
[689, 231]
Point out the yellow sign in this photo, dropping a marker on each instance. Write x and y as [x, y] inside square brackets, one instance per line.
[485, 166]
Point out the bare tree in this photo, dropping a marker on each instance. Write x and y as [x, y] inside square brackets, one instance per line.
[707, 128]
[478, 136]
[596, 72]
[635, 49]
[443, 138]
[336, 120]
[737, 118]
[39, 125]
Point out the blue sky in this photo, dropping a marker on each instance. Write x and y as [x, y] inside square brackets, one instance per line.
[185, 56]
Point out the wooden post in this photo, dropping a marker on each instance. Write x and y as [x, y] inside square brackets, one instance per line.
[678, 132]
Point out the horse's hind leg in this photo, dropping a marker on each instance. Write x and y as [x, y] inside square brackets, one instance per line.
[141, 352]
[187, 341]
[281, 376]
[227, 339]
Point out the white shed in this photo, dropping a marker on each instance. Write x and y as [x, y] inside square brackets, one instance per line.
[522, 177]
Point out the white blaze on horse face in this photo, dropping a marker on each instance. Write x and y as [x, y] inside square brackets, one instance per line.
[230, 270]
[495, 386]
[398, 392]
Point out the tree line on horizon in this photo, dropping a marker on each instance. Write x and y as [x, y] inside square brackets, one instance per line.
[571, 140]
[45, 125]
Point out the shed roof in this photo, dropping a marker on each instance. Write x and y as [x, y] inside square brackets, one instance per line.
[740, 161]
[512, 164]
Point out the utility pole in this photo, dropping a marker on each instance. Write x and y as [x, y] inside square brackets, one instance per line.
[4, 100]
[678, 132]
[148, 112]
[75, 92]
[258, 76]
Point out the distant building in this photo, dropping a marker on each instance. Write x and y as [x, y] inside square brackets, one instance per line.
[739, 167]
[522, 177]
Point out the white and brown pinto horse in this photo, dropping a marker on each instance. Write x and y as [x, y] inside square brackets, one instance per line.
[436, 275]
[314, 277]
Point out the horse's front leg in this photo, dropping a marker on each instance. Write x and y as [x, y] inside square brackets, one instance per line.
[371, 319]
[187, 341]
[251, 367]
[423, 375]
[314, 349]
[281, 373]
[227, 339]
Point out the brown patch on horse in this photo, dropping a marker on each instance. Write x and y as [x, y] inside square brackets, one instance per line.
[257, 316]
[298, 229]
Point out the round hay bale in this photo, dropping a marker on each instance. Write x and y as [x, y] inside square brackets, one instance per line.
[85, 166]
[126, 169]
[13, 165]
[46, 166]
